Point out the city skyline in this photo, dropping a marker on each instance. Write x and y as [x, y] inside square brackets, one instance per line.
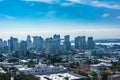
[48, 45]
[44, 38]
[19, 18]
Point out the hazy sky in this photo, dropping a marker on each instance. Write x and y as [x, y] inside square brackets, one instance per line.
[97, 18]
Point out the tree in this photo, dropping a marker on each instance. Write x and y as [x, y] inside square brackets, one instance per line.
[13, 60]
[83, 73]
[66, 78]
[105, 74]
[5, 76]
[77, 63]
[94, 75]
[115, 65]
[21, 76]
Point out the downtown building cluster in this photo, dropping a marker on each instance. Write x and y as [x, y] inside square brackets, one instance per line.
[49, 45]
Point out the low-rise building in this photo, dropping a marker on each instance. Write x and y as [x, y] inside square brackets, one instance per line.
[42, 69]
[62, 76]
[114, 77]
[1, 70]
[100, 67]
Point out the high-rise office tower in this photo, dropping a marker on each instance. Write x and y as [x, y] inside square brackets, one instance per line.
[77, 42]
[52, 45]
[83, 42]
[56, 41]
[80, 42]
[67, 42]
[90, 43]
[13, 44]
[5, 47]
[10, 44]
[56, 37]
[29, 42]
[49, 46]
[38, 43]
[4, 43]
[1, 42]
[1, 45]
[23, 46]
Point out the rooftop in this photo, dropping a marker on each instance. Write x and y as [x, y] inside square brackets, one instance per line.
[102, 64]
[59, 76]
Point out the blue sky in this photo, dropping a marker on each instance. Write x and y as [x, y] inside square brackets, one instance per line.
[97, 18]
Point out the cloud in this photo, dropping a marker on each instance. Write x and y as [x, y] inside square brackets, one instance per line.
[105, 15]
[75, 1]
[105, 5]
[66, 4]
[118, 17]
[49, 14]
[80, 1]
[96, 3]
[44, 1]
[7, 16]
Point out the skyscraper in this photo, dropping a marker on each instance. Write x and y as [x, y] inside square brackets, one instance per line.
[52, 45]
[29, 42]
[80, 42]
[1, 42]
[67, 42]
[49, 45]
[38, 43]
[23, 46]
[0, 45]
[5, 47]
[4, 43]
[13, 44]
[77, 42]
[56, 41]
[90, 43]
[56, 37]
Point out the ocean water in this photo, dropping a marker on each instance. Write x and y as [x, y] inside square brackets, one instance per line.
[107, 43]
